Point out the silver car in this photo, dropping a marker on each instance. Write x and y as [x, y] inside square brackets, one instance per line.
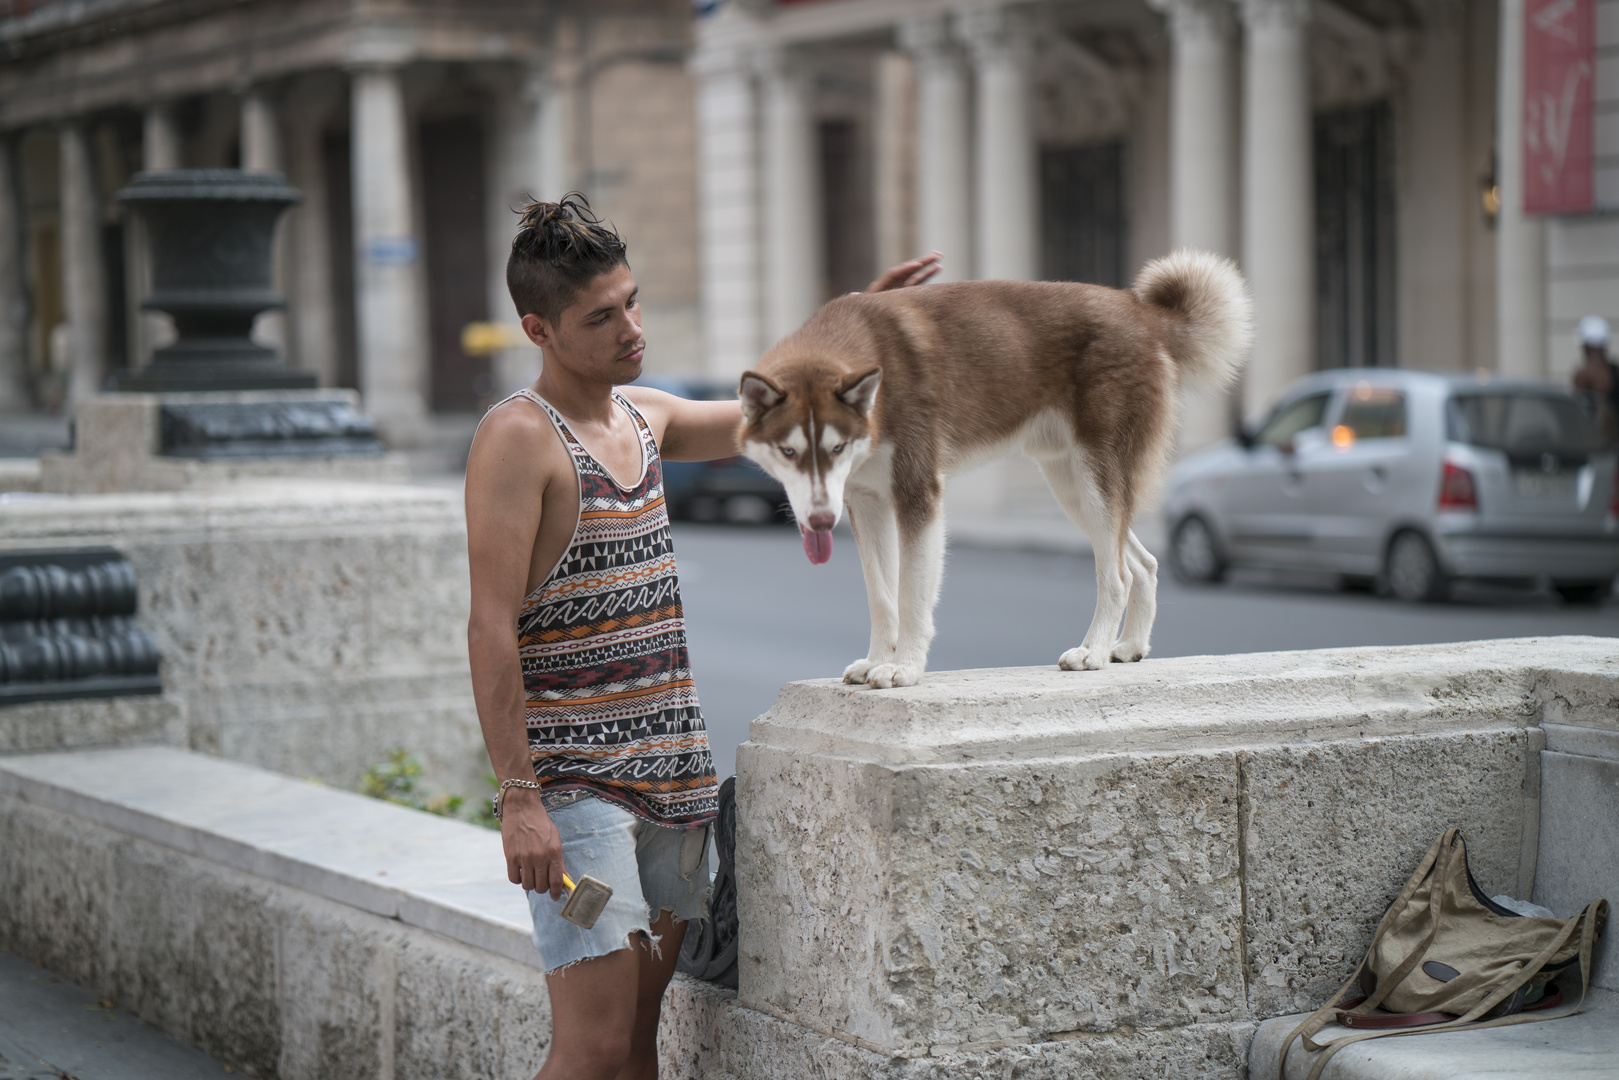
[1408, 480]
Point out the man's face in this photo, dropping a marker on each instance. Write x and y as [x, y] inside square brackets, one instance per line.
[598, 337]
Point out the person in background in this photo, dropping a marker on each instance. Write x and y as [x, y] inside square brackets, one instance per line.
[1597, 375]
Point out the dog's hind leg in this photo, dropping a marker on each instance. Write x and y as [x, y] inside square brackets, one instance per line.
[1142, 607]
[876, 535]
[1079, 496]
[921, 568]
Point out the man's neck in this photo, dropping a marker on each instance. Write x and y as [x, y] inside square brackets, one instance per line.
[577, 399]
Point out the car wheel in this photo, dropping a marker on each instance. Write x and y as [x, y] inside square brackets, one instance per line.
[1583, 592]
[1412, 570]
[1194, 554]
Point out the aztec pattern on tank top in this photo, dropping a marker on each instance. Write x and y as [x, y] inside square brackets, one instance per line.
[611, 708]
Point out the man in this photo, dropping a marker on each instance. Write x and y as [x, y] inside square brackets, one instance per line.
[1597, 375]
[577, 640]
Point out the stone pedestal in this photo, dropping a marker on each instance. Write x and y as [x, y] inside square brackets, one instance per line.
[1145, 861]
[167, 442]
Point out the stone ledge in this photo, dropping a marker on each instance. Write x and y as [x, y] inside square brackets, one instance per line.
[1580, 1047]
[61, 725]
[425, 871]
[1202, 702]
[264, 976]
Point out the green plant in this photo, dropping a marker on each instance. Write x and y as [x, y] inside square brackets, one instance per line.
[396, 778]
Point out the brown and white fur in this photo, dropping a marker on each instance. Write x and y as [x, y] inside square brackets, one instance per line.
[878, 397]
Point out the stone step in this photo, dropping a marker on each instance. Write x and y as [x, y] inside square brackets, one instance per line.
[1577, 1047]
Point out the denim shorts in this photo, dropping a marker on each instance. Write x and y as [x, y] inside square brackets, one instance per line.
[651, 868]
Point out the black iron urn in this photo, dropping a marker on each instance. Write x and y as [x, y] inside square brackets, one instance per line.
[210, 232]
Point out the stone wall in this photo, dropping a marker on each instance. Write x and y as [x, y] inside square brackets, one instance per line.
[1166, 854]
[305, 626]
[1000, 873]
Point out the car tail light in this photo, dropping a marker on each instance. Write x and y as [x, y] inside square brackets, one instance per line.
[1456, 489]
[1613, 499]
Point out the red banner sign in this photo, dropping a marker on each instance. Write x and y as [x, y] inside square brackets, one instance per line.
[1559, 81]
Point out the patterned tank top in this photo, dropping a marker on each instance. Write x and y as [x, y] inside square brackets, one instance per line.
[611, 709]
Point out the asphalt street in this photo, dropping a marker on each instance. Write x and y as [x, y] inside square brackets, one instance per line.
[759, 614]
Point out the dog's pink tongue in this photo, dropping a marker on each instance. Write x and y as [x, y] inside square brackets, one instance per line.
[818, 545]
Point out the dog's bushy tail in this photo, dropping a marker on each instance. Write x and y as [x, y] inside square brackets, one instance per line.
[1216, 315]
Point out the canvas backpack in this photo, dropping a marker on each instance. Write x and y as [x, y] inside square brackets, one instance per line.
[1447, 958]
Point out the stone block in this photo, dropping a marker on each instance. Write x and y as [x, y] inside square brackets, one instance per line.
[264, 976]
[1578, 857]
[305, 626]
[966, 906]
[118, 448]
[1028, 856]
[58, 725]
[1332, 831]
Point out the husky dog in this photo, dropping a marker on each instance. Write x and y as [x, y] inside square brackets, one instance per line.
[879, 397]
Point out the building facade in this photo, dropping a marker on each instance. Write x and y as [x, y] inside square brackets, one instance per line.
[413, 128]
[1361, 160]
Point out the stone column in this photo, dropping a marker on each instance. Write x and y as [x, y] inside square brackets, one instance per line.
[160, 142]
[1278, 205]
[1437, 205]
[1004, 158]
[1520, 240]
[727, 193]
[893, 174]
[15, 395]
[792, 198]
[393, 355]
[943, 165]
[312, 327]
[160, 149]
[84, 277]
[262, 152]
[1202, 162]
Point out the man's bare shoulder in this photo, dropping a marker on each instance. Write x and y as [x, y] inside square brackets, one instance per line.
[653, 404]
[516, 441]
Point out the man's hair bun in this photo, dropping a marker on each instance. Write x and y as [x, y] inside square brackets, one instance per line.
[559, 247]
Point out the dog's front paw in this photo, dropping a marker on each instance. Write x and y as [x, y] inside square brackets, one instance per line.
[1126, 653]
[884, 676]
[1079, 658]
[856, 673]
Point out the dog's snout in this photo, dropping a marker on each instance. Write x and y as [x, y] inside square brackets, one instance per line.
[822, 520]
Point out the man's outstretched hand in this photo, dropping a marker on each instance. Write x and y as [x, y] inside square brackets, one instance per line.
[915, 272]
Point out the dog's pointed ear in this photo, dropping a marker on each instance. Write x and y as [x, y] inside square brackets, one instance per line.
[758, 394]
[861, 391]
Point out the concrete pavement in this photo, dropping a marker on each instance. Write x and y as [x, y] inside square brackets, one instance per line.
[50, 1029]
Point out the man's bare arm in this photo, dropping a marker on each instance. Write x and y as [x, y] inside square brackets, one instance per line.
[706, 430]
[507, 472]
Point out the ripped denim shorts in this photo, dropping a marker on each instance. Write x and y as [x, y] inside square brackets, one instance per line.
[651, 868]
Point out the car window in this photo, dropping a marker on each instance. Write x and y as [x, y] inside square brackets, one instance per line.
[1522, 424]
[1370, 412]
[1289, 420]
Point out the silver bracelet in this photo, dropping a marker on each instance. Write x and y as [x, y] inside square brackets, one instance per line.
[500, 796]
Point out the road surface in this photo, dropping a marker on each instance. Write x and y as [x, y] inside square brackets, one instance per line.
[760, 615]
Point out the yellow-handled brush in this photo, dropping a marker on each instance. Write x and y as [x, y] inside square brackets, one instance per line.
[585, 900]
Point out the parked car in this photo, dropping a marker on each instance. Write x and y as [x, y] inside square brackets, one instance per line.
[1410, 480]
[731, 489]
